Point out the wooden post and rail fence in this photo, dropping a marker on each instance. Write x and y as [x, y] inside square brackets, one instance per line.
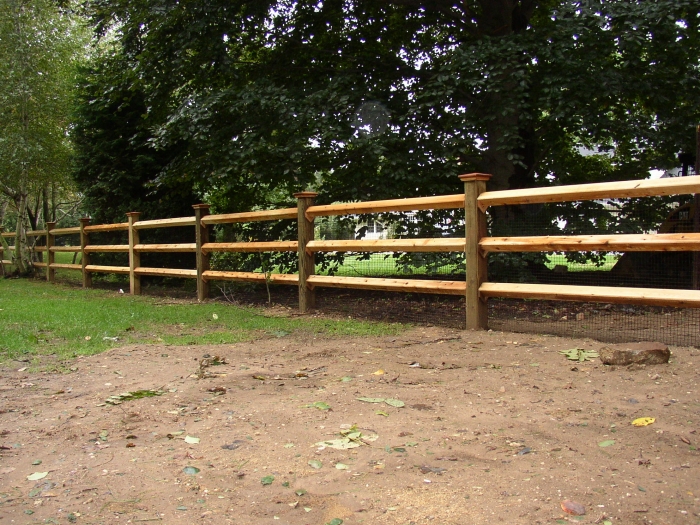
[476, 246]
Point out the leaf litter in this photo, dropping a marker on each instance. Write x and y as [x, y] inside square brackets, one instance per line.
[130, 396]
[350, 438]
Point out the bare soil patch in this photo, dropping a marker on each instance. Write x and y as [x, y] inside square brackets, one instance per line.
[496, 427]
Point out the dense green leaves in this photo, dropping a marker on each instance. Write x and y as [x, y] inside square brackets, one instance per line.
[244, 103]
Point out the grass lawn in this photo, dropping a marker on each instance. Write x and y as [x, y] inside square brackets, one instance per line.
[41, 318]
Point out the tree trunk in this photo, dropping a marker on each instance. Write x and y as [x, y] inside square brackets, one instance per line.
[22, 256]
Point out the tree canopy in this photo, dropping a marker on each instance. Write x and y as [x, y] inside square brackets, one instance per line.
[242, 103]
[39, 46]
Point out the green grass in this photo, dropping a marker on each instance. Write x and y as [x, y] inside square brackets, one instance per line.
[554, 260]
[39, 318]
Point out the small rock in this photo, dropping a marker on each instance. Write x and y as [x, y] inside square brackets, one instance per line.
[635, 353]
[572, 507]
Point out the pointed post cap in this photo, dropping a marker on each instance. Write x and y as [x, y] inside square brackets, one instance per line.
[469, 177]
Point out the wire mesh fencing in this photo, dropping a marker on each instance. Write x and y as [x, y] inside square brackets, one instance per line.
[606, 322]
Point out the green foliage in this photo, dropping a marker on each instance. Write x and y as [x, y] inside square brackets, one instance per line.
[40, 45]
[76, 322]
[244, 103]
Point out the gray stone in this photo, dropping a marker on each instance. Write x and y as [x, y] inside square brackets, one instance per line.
[635, 353]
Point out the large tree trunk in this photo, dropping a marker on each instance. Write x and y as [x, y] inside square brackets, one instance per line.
[22, 255]
[512, 166]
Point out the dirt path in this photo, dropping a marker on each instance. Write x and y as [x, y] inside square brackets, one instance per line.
[495, 428]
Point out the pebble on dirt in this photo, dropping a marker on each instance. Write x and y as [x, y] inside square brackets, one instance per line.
[572, 507]
[635, 353]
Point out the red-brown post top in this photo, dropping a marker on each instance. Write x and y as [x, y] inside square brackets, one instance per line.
[201, 206]
[85, 220]
[51, 223]
[305, 194]
[133, 214]
[469, 177]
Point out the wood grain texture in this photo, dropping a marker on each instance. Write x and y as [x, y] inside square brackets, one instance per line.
[251, 247]
[441, 202]
[121, 226]
[165, 223]
[201, 232]
[58, 266]
[66, 231]
[475, 261]
[251, 216]
[50, 259]
[85, 256]
[388, 245]
[604, 294]
[107, 248]
[307, 264]
[251, 277]
[390, 285]
[166, 272]
[602, 190]
[166, 248]
[660, 242]
[65, 249]
[134, 256]
[107, 269]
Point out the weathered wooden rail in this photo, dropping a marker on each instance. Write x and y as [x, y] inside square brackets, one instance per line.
[476, 246]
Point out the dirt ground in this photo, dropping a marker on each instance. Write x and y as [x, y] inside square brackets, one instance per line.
[496, 427]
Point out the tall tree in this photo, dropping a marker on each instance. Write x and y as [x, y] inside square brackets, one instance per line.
[39, 45]
[370, 99]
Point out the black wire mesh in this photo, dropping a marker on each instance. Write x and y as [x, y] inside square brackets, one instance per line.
[605, 322]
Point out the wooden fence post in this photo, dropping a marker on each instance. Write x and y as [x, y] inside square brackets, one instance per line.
[85, 256]
[202, 237]
[134, 256]
[50, 256]
[476, 262]
[696, 213]
[307, 261]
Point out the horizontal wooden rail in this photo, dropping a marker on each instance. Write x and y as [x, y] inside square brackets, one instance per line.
[251, 277]
[7, 235]
[106, 269]
[166, 272]
[5, 261]
[121, 226]
[34, 233]
[105, 248]
[671, 242]
[164, 223]
[389, 245]
[65, 231]
[251, 216]
[57, 266]
[391, 285]
[597, 294]
[251, 247]
[153, 248]
[39, 264]
[582, 192]
[441, 202]
[39, 248]
[74, 249]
